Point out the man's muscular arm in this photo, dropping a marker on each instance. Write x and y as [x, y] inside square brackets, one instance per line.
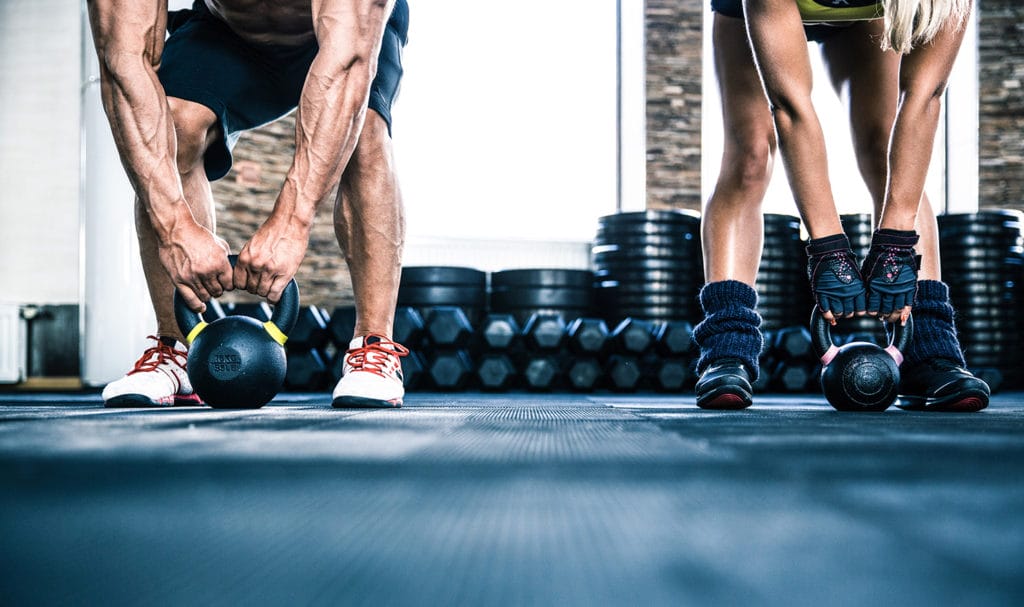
[327, 126]
[129, 37]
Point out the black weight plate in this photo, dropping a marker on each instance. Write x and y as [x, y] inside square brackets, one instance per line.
[641, 251]
[648, 301]
[522, 315]
[672, 277]
[792, 278]
[989, 216]
[990, 314]
[795, 257]
[955, 281]
[789, 276]
[992, 243]
[952, 270]
[968, 304]
[993, 338]
[997, 230]
[540, 297]
[475, 314]
[687, 242]
[659, 313]
[443, 275]
[992, 255]
[681, 217]
[1007, 353]
[782, 291]
[856, 219]
[542, 278]
[857, 230]
[614, 266]
[648, 288]
[441, 295]
[780, 217]
[641, 228]
[992, 289]
[1008, 323]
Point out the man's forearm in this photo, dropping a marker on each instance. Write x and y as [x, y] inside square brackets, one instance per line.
[333, 102]
[129, 41]
[327, 127]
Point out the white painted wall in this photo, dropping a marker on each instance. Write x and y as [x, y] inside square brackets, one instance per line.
[39, 151]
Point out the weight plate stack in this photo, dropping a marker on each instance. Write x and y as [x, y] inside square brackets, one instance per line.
[525, 292]
[648, 266]
[426, 287]
[983, 264]
[784, 296]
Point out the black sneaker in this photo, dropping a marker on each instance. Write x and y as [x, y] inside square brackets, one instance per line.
[940, 385]
[724, 385]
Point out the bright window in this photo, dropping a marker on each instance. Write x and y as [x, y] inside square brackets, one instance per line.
[505, 127]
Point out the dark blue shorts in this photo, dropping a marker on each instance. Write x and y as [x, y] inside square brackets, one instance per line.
[249, 85]
[818, 32]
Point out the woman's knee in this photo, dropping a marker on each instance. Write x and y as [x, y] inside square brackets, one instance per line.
[747, 162]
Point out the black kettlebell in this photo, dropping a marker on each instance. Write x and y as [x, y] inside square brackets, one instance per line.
[859, 376]
[238, 362]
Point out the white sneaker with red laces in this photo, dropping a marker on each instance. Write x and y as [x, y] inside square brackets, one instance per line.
[158, 379]
[371, 375]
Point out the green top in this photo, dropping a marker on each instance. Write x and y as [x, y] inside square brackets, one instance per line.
[817, 11]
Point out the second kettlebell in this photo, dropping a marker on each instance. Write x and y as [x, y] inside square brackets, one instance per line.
[859, 376]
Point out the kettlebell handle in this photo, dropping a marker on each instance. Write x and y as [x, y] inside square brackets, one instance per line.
[282, 321]
[821, 333]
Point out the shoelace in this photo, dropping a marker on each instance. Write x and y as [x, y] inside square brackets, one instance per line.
[376, 357]
[157, 355]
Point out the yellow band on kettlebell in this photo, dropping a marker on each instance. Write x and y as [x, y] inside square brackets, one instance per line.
[196, 330]
[275, 332]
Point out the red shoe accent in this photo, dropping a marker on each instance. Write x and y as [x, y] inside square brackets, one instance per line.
[375, 357]
[726, 401]
[188, 400]
[157, 355]
[967, 405]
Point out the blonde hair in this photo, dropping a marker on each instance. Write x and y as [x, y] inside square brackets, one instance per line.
[913, 22]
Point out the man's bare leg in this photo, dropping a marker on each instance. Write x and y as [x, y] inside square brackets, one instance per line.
[370, 225]
[369, 221]
[194, 125]
[158, 378]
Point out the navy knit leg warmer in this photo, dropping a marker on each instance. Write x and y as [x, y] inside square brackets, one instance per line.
[934, 331]
[731, 327]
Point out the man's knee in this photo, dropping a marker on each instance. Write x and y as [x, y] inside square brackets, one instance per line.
[373, 150]
[194, 125]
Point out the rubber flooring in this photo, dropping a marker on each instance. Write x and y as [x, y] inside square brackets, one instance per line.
[521, 499]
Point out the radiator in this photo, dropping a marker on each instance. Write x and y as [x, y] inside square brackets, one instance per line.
[13, 340]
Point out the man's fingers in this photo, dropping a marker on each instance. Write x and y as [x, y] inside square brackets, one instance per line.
[265, 284]
[277, 289]
[192, 300]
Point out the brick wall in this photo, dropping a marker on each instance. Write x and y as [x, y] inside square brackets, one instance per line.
[673, 58]
[1001, 103]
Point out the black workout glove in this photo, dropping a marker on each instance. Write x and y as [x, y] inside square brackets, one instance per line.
[835, 281]
[890, 270]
